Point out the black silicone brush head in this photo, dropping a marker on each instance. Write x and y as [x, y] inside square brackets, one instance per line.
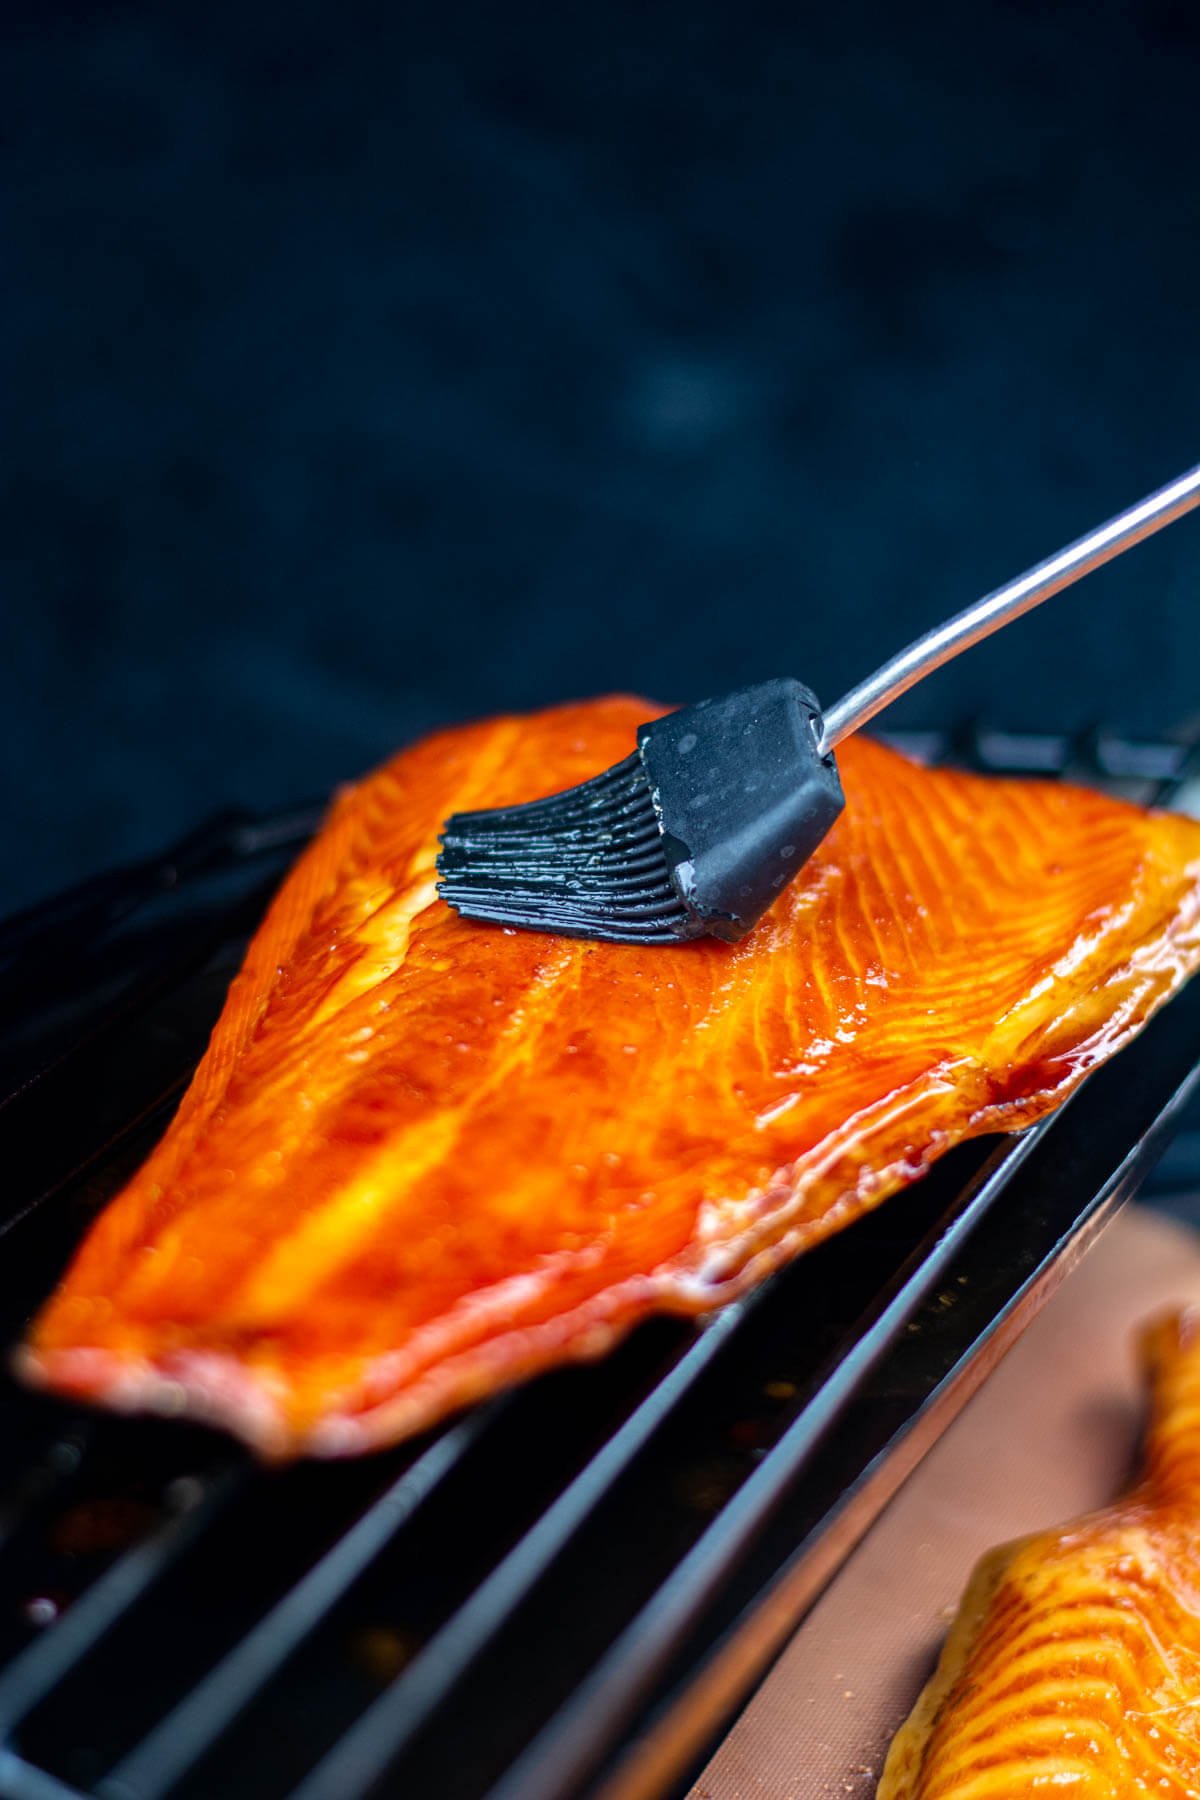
[587, 863]
[697, 832]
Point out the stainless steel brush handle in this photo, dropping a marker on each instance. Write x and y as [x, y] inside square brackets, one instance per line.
[1008, 603]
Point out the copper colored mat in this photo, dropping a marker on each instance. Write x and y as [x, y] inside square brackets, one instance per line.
[1051, 1434]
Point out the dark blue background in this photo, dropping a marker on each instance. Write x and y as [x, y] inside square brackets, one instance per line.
[366, 368]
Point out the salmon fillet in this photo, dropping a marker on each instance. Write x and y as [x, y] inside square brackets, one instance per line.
[1074, 1663]
[423, 1158]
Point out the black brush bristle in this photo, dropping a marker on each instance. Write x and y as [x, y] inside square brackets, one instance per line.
[586, 863]
[698, 831]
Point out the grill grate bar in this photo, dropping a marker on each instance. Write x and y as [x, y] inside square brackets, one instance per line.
[167, 1752]
[37, 1670]
[574, 1738]
[414, 1695]
[20, 1780]
[1092, 752]
[31, 1102]
[104, 1152]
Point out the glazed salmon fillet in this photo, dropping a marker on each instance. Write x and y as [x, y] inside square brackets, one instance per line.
[1074, 1663]
[423, 1158]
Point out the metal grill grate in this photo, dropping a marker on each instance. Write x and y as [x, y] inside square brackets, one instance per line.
[560, 1594]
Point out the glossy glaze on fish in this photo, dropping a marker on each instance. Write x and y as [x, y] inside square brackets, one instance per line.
[424, 1158]
[1073, 1666]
